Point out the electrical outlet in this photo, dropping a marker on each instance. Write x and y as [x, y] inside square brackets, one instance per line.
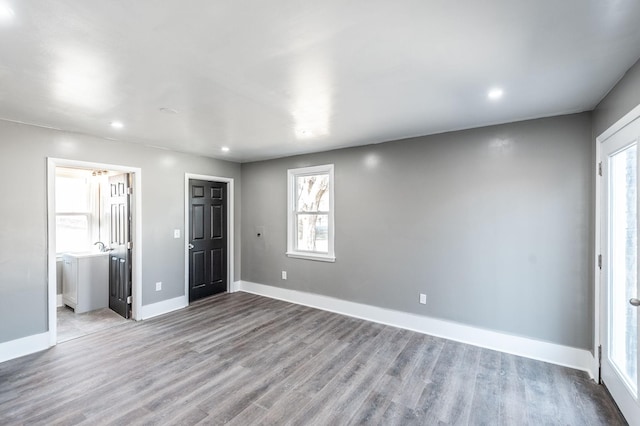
[284, 275]
[159, 286]
[423, 298]
[176, 233]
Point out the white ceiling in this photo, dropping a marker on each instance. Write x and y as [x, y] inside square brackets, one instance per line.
[281, 77]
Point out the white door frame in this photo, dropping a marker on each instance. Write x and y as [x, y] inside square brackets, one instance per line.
[230, 210]
[598, 324]
[136, 235]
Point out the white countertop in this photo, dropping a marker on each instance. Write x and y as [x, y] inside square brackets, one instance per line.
[87, 254]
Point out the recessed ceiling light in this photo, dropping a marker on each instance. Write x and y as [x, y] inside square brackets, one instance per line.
[117, 124]
[6, 12]
[305, 133]
[225, 149]
[495, 94]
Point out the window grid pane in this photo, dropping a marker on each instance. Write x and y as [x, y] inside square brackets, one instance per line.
[72, 195]
[312, 232]
[312, 193]
[72, 232]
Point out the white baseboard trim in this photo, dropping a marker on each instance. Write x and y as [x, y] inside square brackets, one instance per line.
[24, 346]
[235, 286]
[59, 303]
[164, 307]
[579, 359]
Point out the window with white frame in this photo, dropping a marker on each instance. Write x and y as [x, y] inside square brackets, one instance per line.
[310, 213]
[76, 213]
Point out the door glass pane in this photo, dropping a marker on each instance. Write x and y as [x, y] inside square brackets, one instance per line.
[623, 345]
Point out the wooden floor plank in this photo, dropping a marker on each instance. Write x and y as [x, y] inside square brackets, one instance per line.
[486, 392]
[243, 359]
[513, 402]
[374, 405]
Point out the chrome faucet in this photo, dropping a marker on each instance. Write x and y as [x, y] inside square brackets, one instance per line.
[101, 246]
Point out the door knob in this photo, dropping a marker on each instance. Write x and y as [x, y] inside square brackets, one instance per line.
[190, 246]
[634, 301]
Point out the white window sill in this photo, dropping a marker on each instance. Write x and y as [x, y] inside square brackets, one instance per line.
[312, 256]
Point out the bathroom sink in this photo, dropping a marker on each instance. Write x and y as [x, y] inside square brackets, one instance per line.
[88, 253]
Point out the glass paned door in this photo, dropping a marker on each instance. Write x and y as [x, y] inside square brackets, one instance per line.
[619, 279]
[623, 255]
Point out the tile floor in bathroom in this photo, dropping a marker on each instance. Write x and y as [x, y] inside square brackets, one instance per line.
[72, 325]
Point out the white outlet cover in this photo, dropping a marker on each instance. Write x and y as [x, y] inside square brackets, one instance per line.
[284, 275]
[176, 233]
[423, 298]
[159, 286]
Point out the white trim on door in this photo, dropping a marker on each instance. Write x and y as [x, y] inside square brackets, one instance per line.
[136, 235]
[597, 334]
[230, 227]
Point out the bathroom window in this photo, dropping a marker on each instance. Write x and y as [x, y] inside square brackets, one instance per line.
[76, 207]
[310, 213]
[72, 232]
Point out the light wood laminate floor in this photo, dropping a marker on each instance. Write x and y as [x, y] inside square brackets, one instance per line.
[243, 359]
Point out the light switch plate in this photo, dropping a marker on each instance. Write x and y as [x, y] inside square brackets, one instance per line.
[176, 233]
[159, 286]
[423, 298]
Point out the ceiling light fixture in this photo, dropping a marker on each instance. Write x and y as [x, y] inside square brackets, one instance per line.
[495, 94]
[117, 124]
[225, 149]
[305, 133]
[167, 110]
[6, 13]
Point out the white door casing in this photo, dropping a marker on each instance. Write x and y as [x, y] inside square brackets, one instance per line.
[617, 324]
[136, 235]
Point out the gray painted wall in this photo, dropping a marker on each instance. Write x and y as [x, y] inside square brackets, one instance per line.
[492, 223]
[619, 101]
[23, 240]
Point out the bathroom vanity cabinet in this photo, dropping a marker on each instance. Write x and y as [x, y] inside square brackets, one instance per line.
[85, 281]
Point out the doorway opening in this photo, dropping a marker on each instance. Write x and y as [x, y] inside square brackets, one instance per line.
[93, 247]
